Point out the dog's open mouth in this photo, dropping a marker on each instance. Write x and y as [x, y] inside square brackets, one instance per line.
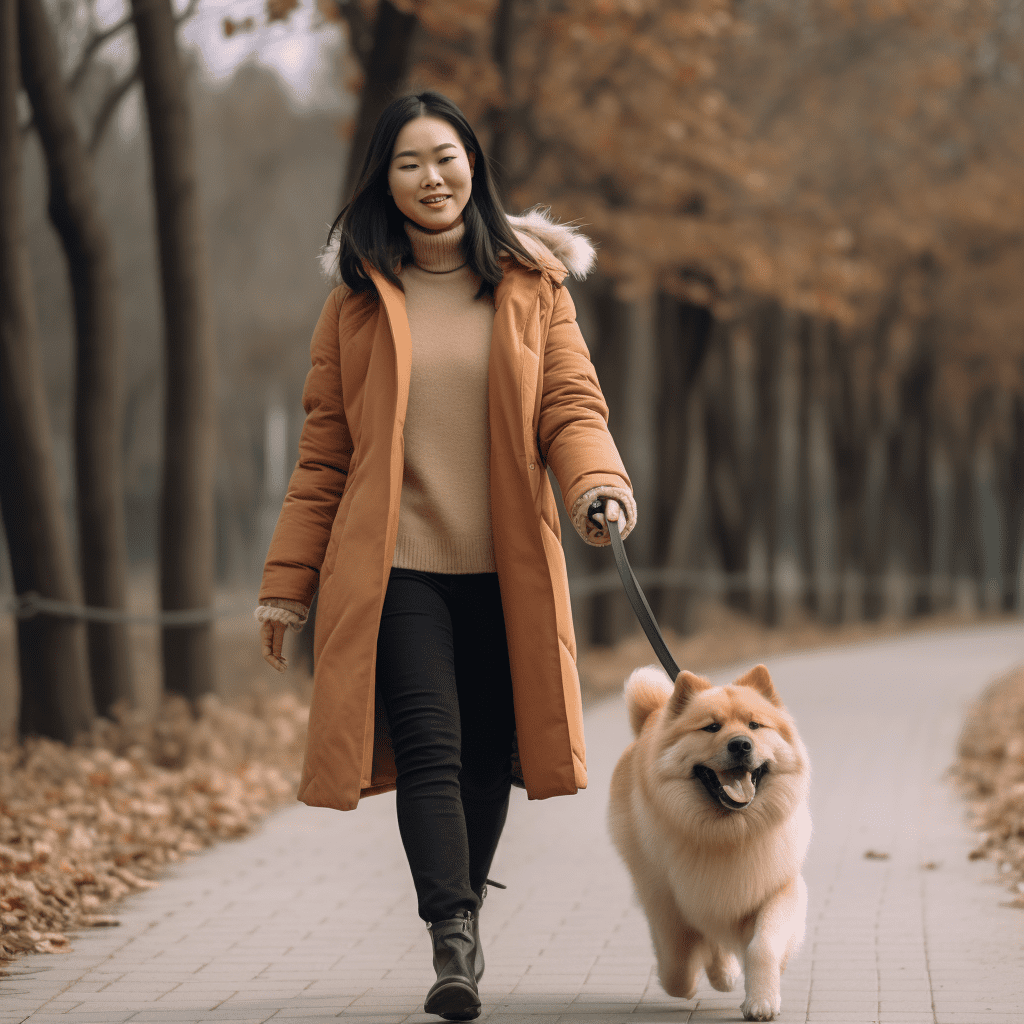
[733, 789]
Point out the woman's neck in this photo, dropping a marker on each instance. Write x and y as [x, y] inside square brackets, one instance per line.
[437, 252]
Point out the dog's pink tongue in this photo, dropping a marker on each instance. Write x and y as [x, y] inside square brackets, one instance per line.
[738, 785]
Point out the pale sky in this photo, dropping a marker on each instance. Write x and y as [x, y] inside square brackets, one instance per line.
[304, 57]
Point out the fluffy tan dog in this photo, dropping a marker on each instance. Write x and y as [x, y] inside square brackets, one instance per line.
[709, 811]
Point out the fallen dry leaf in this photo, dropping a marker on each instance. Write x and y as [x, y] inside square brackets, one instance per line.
[83, 826]
[990, 774]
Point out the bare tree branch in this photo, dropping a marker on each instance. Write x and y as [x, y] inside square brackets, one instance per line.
[113, 98]
[109, 106]
[85, 60]
[360, 31]
[189, 12]
[106, 35]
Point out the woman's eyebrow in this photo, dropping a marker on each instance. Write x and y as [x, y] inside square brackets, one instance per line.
[412, 152]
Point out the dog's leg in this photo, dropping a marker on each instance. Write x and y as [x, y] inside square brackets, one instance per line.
[778, 932]
[676, 945]
[723, 969]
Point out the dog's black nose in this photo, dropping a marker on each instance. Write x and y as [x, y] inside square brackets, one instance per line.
[739, 746]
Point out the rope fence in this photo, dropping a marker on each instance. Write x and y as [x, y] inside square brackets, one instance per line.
[785, 583]
[30, 604]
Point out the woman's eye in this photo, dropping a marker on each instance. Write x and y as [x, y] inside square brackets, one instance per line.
[445, 159]
[754, 725]
[713, 727]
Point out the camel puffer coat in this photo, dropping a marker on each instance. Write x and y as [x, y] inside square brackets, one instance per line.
[339, 521]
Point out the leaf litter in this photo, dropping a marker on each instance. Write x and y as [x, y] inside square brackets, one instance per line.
[82, 826]
[989, 772]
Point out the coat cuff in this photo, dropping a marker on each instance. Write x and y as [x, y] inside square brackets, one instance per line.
[589, 530]
[278, 609]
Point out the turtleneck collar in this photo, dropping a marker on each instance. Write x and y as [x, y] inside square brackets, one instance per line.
[437, 253]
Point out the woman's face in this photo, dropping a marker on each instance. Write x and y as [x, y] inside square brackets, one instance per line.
[431, 174]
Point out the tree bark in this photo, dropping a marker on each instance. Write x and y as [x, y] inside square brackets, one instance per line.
[725, 430]
[847, 404]
[386, 70]
[52, 661]
[805, 510]
[910, 459]
[1010, 470]
[74, 210]
[683, 338]
[190, 426]
[965, 554]
[611, 616]
[769, 327]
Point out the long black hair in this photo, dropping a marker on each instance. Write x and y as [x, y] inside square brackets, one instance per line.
[371, 227]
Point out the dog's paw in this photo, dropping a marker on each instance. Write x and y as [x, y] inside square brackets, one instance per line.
[678, 983]
[723, 972]
[761, 1008]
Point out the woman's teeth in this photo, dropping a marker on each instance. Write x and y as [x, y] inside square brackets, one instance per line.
[435, 201]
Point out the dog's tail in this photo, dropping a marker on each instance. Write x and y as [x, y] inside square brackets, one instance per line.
[647, 689]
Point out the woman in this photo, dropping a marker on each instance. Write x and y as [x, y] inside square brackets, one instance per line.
[447, 373]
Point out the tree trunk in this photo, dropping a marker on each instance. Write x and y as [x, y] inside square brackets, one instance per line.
[806, 513]
[788, 580]
[683, 338]
[818, 513]
[386, 71]
[610, 613]
[1011, 486]
[190, 425]
[726, 429]
[770, 325]
[847, 403]
[74, 210]
[689, 523]
[52, 660]
[910, 462]
[513, 148]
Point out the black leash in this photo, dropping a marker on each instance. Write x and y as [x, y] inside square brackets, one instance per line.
[633, 591]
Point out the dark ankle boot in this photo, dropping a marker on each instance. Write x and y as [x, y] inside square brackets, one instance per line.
[478, 949]
[454, 995]
[478, 959]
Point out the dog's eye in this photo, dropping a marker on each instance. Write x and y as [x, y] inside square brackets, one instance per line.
[754, 725]
[713, 727]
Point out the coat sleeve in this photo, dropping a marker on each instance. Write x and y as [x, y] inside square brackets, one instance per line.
[573, 434]
[292, 569]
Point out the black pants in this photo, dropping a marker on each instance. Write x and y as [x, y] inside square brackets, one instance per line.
[443, 677]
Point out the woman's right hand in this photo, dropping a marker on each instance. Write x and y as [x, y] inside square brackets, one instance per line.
[272, 640]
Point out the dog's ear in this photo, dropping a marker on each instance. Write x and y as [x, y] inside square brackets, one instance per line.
[687, 684]
[759, 679]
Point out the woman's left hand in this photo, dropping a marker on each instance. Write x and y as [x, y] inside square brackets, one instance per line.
[619, 507]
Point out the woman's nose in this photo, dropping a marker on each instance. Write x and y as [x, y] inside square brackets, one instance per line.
[432, 176]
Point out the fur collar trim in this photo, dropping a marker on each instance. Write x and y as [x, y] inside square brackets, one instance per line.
[561, 247]
[547, 238]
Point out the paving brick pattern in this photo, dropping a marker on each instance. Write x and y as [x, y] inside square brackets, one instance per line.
[313, 919]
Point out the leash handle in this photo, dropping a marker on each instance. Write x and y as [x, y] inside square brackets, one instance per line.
[636, 597]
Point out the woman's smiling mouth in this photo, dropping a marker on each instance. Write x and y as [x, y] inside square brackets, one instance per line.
[435, 200]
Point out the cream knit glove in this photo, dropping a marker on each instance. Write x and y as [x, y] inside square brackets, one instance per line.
[590, 531]
[277, 609]
[276, 616]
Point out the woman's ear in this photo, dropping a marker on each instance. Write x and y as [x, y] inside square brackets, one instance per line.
[472, 162]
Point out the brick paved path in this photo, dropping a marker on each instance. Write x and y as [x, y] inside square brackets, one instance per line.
[313, 918]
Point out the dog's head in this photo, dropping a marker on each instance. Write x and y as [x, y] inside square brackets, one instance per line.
[731, 742]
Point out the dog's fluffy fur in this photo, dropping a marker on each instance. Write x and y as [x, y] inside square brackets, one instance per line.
[713, 825]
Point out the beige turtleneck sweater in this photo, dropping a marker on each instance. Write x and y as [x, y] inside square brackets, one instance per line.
[444, 523]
